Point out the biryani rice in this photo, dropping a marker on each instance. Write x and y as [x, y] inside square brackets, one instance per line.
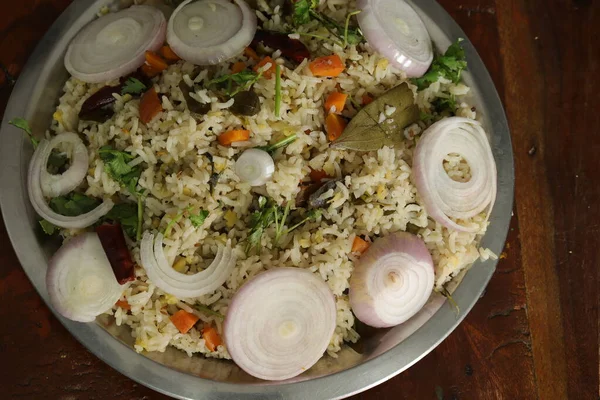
[177, 175]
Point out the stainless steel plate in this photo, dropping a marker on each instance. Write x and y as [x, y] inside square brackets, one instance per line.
[380, 355]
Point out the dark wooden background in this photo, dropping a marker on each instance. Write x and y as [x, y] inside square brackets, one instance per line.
[533, 335]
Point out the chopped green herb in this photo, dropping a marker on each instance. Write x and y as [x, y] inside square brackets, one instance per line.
[133, 86]
[425, 117]
[24, 125]
[235, 83]
[260, 220]
[173, 221]
[116, 164]
[268, 213]
[125, 214]
[305, 11]
[351, 36]
[311, 216]
[445, 105]
[48, 227]
[73, 204]
[449, 65]
[282, 143]
[205, 310]
[279, 224]
[198, 219]
[302, 9]
[277, 90]
[57, 162]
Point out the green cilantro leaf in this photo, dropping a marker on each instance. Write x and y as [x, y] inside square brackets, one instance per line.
[48, 227]
[24, 125]
[302, 9]
[127, 215]
[449, 65]
[199, 218]
[133, 86]
[235, 83]
[73, 204]
[116, 164]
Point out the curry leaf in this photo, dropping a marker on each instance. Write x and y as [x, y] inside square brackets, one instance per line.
[371, 128]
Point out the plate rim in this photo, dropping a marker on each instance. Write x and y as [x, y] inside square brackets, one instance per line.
[14, 205]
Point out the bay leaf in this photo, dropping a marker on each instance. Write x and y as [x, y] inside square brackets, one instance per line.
[366, 133]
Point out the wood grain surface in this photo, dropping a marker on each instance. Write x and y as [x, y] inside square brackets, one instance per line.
[534, 333]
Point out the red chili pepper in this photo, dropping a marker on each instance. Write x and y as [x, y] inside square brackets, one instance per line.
[115, 247]
[290, 48]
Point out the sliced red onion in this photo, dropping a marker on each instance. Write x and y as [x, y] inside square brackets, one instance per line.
[162, 274]
[208, 32]
[36, 165]
[392, 280]
[396, 31]
[255, 167]
[114, 45]
[80, 280]
[61, 184]
[279, 323]
[443, 197]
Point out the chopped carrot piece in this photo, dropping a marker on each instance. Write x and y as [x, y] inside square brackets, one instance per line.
[366, 99]
[183, 320]
[335, 125]
[250, 53]
[317, 175]
[211, 338]
[269, 72]
[236, 135]
[156, 61]
[327, 66]
[149, 106]
[335, 102]
[123, 304]
[238, 67]
[359, 245]
[150, 71]
[168, 54]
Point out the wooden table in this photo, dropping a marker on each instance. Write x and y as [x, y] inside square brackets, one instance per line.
[534, 333]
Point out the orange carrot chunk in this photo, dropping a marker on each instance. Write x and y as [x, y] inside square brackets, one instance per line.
[168, 54]
[211, 338]
[123, 304]
[327, 66]
[183, 320]
[335, 102]
[236, 135]
[317, 175]
[250, 53]
[156, 61]
[149, 106]
[150, 71]
[366, 99]
[334, 125]
[238, 67]
[269, 72]
[359, 245]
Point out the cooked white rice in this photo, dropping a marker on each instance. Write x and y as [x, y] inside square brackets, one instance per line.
[176, 176]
